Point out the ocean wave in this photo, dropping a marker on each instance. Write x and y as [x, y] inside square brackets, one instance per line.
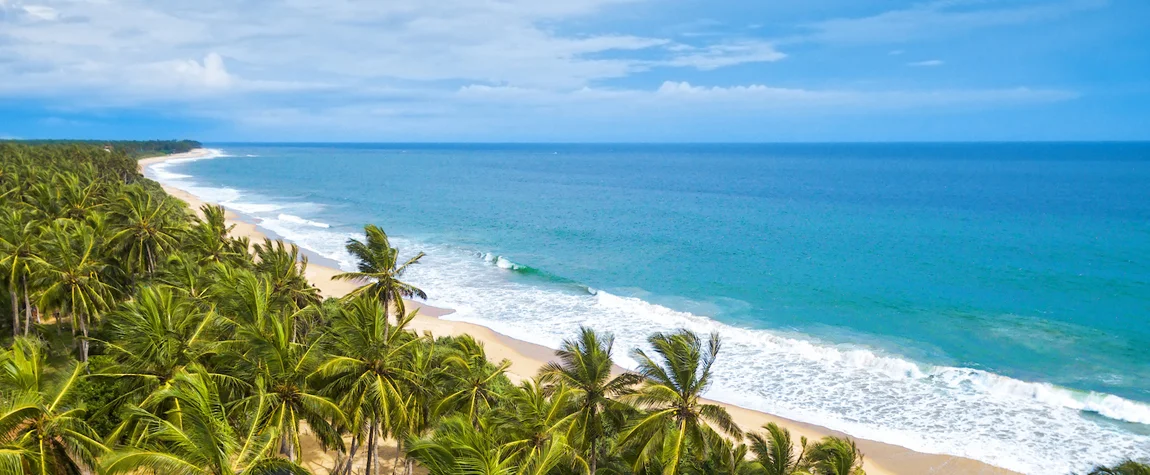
[500, 262]
[291, 218]
[1030, 427]
[1024, 426]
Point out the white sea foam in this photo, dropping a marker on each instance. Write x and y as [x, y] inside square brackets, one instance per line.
[1031, 427]
[298, 220]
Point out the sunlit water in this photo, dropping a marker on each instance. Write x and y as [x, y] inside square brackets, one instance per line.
[985, 300]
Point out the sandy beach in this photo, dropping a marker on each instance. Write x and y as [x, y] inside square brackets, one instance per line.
[527, 358]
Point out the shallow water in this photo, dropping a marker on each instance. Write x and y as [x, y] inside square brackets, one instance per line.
[984, 300]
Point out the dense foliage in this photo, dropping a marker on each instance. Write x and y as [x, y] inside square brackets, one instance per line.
[131, 148]
[146, 339]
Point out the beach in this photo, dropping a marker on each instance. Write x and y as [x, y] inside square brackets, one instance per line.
[526, 358]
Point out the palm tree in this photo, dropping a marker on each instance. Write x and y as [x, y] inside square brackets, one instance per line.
[42, 429]
[183, 275]
[835, 456]
[147, 229]
[380, 271]
[156, 336]
[209, 239]
[280, 367]
[585, 367]
[196, 437]
[285, 269]
[18, 237]
[369, 368]
[72, 278]
[458, 446]
[533, 418]
[476, 384]
[726, 458]
[678, 420]
[775, 451]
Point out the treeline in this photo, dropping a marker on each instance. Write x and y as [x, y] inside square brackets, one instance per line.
[147, 340]
[131, 148]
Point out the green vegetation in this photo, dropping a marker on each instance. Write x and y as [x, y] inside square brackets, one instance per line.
[130, 148]
[147, 340]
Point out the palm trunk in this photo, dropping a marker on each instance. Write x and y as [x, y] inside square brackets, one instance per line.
[351, 455]
[593, 458]
[27, 307]
[395, 461]
[370, 448]
[15, 313]
[84, 340]
[287, 448]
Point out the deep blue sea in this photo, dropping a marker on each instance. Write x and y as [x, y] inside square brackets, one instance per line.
[984, 300]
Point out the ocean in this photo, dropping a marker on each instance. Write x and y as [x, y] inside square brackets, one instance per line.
[990, 301]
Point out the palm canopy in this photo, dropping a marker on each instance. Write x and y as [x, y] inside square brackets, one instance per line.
[280, 367]
[196, 437]
[460, 447]
[775, 451]
[73, 277]
[155, 337]
[19, 234]
[369, 367]
[146, 229]
[42, 428]
[585, 367]
[380, 270]
[679, 422]
[286, 270]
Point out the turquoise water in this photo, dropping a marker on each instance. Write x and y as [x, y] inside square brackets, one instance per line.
[984, 300]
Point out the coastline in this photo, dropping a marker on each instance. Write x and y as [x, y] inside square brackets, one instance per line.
[526, 358]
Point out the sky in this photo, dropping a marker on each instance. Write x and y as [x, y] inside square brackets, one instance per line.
[576, 70]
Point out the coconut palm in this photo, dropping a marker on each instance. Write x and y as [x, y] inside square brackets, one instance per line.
[208, 239]
[146, 229]
[679, 422]
[835, 456]
[42, 428]
[775, 451]
[478, 384]
[72, 279]
[183, 275]
[197, 436]
[156, 336]
[369, 368]
[726, 458]
[279, 366]
[19, 234]
[532, 416]
[459, 446]
[77, 196]
[285, 269]
[585, 367]
[380, 270]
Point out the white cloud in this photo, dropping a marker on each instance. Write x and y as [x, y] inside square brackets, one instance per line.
[927, 63]
[348, 43]
[211, 73]
[41, 12]
[940, 18]
[411, 64]
[726, 54]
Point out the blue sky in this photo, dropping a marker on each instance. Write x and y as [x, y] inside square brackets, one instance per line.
[576, 70]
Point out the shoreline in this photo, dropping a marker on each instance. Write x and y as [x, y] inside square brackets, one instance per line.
[880, 458]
